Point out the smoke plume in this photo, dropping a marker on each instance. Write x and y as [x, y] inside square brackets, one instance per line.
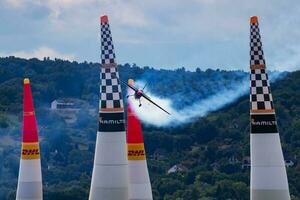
[152, 115]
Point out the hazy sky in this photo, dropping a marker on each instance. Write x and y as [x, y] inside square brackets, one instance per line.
[157, 33]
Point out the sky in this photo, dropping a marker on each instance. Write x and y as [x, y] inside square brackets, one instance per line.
[157, 33]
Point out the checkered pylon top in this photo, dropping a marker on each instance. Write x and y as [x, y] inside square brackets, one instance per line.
[110, 88]
[107, 47]
[257, 59]
[260, 92]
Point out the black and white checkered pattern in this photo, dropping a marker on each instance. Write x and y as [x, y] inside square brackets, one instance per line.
[260, 93]
[256, 51]
[110, 89]
[107, 47]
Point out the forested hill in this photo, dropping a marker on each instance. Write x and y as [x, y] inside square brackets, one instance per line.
[52, 79]
[210, 153]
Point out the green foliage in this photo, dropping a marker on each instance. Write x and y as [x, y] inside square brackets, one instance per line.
[210, 150]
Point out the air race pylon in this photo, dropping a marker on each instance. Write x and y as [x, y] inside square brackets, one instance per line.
[139, 181]
[30, 175]
[268, 179]
[110, 171]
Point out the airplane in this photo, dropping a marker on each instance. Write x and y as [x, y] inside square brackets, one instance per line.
[139, 93]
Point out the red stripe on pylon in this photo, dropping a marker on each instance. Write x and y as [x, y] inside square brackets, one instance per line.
[30, 133]
[134, 128]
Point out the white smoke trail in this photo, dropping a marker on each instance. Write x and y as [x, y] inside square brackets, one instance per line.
[150, 114]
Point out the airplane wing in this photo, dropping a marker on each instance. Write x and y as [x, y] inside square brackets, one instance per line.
[148, 98]
[144, 95]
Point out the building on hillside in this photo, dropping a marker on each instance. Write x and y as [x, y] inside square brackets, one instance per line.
[66, 104]
[289, 163]
[246, 163]
[233, 160]
[68, 108]
[176, 168]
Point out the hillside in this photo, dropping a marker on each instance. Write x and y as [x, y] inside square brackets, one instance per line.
[210, 151]
[52, 79]
[213, 148]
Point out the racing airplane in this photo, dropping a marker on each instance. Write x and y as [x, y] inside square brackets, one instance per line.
[139, 93]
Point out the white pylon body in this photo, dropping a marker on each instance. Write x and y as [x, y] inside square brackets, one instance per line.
[268, 179]
[110, 171]
[139, 181]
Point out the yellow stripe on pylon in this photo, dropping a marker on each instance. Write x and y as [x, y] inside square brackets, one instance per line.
[257, 67]
[30, 151]
[136, 151]
[262, 111]
[112, 109]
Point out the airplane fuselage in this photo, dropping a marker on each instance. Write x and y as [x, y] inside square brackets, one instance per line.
[138, 94]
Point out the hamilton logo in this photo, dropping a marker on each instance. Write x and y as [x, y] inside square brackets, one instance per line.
[263, 123]
[111, 121]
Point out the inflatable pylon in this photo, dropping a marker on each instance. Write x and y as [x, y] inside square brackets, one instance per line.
[110, 171]
[139, 181]
[30, 175]
[268, 179]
